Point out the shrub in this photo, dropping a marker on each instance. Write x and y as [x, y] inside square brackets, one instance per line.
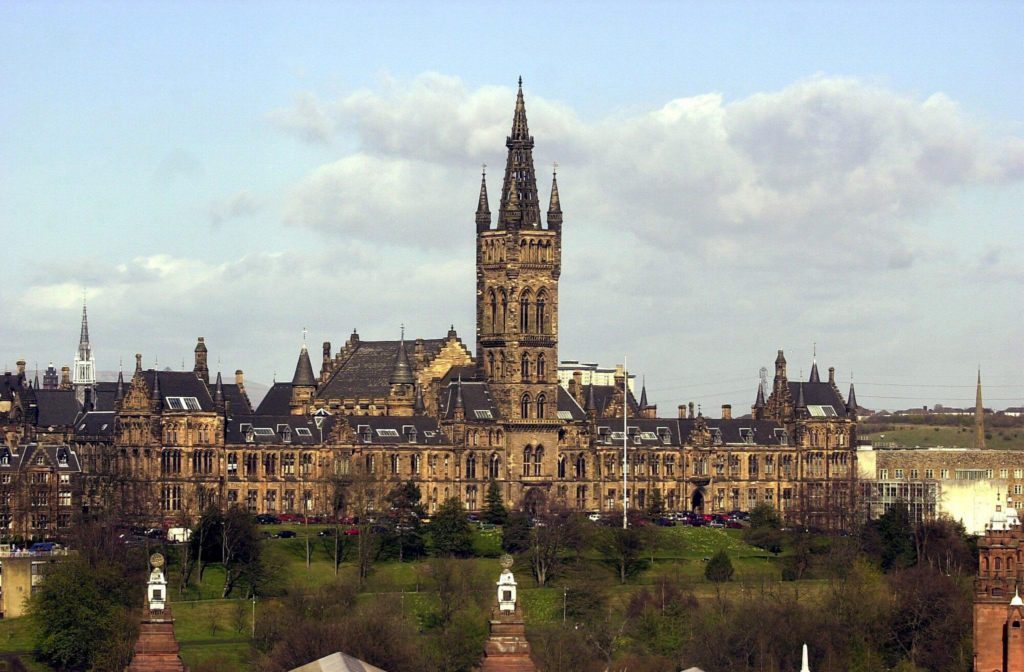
[719, 569]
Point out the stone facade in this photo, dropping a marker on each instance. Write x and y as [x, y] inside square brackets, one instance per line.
[166, 444]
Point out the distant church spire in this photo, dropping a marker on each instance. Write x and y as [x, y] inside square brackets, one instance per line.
[555, 206]
[83, 376]
[815, 378]
[979, 418]
[519, 203]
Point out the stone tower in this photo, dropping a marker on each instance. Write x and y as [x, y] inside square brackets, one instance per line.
[83, 376]
[979, 419]
[517, 268]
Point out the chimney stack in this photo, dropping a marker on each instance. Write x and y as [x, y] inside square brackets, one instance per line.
[726, 411]
[682, 411]
[21, 367]
[238, 377]
[65, 377]
[691, 410]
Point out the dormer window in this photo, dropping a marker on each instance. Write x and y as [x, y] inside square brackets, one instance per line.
[364, 433]
[5, 457]
[250, 435]
[286, 433]
[665, 435]
[747, 435]
[410, 433]
[62, 458]
[716, 437]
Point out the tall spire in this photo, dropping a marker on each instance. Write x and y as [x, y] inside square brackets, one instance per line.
[800, 403]
[483, 208]
[401, 374]
[84, 348]
[979, 418]
[417, 405]
[218, 393]
[156, 395]
[519, 189]
[815, 378]
[119, 395]
[759, 403]
[643, 397]
[851, 401]
[459, 402]
[591, 405]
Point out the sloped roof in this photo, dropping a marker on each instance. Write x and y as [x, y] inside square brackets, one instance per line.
[277, 400]
[427, 430]
[367, 371]
[233, 395]
[603, 394]
[61, 457]
[180, 384]
[238, 426]
[819, 394]
[651, 431]
[567, 404]
[96, 423]
[475, 397]
[337, 662]
[57, 407]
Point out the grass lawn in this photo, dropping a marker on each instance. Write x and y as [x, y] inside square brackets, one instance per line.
[927, 436]
[16, 635]
[225, 657]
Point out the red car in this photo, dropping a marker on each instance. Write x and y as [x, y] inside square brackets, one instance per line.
[352, 531]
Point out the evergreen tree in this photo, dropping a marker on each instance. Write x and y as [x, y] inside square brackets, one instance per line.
[719, 568]
[655, 506]
[404, 537]
[515, 535]
[495, 512]
[450, 530]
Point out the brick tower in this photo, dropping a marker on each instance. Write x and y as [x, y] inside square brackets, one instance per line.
[517, 268]
[998, 608]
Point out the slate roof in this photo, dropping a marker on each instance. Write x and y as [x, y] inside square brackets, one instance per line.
[819, 394]
[180, 384]
[567, 404]
[233, 395]
[366, 372]
[277, 400]
[655, 431]
[603, 394]
[368, 428]
[56, 407]
[103, 400]
[475, 397]
[96, 423]
[21, 457]
[282, 427]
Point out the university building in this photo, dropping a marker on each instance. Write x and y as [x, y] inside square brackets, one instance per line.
[169, 443]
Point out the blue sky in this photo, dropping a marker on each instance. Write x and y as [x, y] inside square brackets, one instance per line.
[737, 178]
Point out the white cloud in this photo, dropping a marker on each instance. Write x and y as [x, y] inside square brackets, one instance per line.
[239, 205]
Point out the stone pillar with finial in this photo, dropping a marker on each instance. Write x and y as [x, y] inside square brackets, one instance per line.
[156, 650]
[507, 649]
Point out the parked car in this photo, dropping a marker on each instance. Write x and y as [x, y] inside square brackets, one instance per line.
[734, 525]
[326, 532]
[352, 531]
[284, 534]
[594, 517]
[716, 524]
[665, 522]
[41, 547]
[267, 519]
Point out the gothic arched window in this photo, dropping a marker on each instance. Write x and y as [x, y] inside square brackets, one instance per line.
[581, 466]
[502, 317]
[541, 322]
[542, 403]
[471, 465]
[525, 406]
[541, 366]
[561, 466]
[538, 455]
[491, 317]
[527, 458]
[494, 467]
[490, 365]
[524, 366]
[524, 312]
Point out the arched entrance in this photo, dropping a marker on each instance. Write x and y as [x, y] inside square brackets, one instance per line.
[535, 501]
[697, 502]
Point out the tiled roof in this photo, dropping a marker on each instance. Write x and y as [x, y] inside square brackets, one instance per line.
[386, 429]
[567, 405]
[675, 432]
[180, 384]
[96, 423]
[275, 429]
[20, 458]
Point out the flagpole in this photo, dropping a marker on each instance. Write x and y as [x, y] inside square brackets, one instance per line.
[625, 443]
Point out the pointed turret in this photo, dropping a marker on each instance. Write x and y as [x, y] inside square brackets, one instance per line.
[643, 398]
[590, 406]
[979, 418]
[218, 391]
[303, 370]
[519, 203]
[815, 378]
[200, 368]
[401, 374]
[155, 393]
[555, 206]
[119, 393]
[483, 209]
[84, 348]
[83, 375]
[800, 403]
[759, 403]
[851, 401]
[459, 401]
